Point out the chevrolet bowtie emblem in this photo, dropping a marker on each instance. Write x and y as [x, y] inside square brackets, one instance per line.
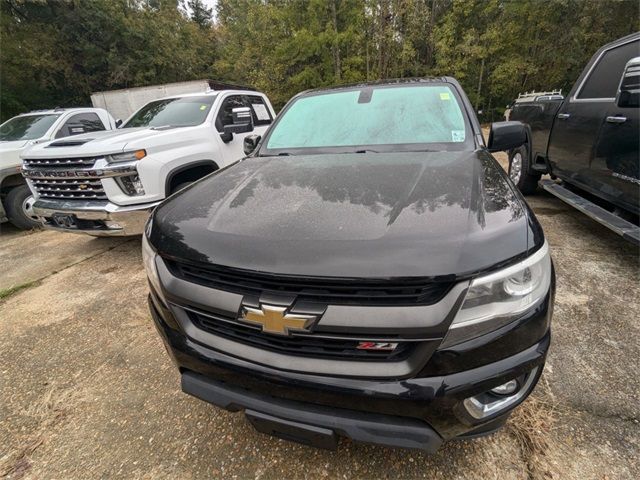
[276, 320]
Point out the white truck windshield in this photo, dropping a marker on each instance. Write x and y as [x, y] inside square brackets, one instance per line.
[175, 112]
[27, 127]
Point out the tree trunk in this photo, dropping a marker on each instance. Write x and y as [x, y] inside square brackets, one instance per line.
[337, 67]
[479, 84]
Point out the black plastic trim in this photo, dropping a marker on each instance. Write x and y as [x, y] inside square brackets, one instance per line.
[184, 168]
[372, 428]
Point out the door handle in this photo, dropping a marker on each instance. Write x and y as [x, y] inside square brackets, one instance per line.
[563, 116]
[616, 119]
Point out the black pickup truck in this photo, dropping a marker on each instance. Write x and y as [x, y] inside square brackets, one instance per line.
[589, 140]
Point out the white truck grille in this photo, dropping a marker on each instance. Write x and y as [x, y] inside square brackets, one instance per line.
[69, 189]
[61, 163]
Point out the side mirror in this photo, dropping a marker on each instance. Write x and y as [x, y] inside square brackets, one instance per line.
[506, 136]
[242, 121]
[118, 122]
[250, 143]
[629, 91]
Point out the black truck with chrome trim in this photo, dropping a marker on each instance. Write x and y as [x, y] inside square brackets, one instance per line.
[368, 271]
[589, 142]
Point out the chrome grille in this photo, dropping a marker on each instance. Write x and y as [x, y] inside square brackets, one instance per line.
[69, 189]
[52, 163]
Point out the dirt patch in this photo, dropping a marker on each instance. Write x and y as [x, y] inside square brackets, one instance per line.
[531, 425]
[47, 412]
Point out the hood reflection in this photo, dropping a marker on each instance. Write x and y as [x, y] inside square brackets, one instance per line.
[394, 205]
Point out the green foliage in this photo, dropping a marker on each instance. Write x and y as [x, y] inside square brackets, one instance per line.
[56, 52]
[525, 45]
[200, 13]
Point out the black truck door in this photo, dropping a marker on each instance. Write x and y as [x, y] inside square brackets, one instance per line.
[616, 164]
[572, 145]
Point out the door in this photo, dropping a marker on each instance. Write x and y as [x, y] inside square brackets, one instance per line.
[616, 164]
[232, 148]
[572, 144]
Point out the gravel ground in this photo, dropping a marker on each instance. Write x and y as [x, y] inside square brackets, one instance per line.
[89, 392]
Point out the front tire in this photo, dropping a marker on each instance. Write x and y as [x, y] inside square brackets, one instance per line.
[19, 206]
[519, 168]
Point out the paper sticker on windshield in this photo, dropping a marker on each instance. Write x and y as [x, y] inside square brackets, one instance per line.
[203, 107]
[445, 96]
[261, 111]
[457, 135]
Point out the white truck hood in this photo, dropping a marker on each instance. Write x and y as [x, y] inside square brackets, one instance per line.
[101, 143]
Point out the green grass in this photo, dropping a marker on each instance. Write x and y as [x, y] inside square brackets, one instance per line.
[6, 292]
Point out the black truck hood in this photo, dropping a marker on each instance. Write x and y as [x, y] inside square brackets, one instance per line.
[426, 214]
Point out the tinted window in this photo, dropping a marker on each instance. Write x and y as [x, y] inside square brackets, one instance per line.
[605, 77]
[225, 114]
[175, 112]
[28, 127]
[413, 116]
[259, 110]
[80, 123]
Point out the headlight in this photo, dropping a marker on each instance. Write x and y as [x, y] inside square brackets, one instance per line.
[149, 260]
[127, 156]
[496, 299]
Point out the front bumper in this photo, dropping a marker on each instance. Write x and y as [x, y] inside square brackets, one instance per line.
[98, 218]
[418, 413]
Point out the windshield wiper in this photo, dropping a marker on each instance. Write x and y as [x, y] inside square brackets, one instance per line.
[366, 150]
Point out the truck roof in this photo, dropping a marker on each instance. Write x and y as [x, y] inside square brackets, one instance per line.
[58, 110]
[212, 93]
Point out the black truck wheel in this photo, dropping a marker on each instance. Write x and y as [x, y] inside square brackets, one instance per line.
[19, 207]
[519, 171]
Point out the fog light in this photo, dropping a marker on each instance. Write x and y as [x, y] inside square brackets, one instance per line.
[131, 185]
[506, 388]
[498, 400]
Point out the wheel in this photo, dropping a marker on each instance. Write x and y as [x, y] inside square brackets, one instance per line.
[19, 207]
[519, 171]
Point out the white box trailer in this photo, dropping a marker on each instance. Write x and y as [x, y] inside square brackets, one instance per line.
[122, 103]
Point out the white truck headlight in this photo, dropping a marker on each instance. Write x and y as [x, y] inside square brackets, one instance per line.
[500, 297]
[149, 261]
[127, 156]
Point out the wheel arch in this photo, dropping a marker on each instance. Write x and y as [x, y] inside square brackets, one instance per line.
[12, 180]
[203, 166]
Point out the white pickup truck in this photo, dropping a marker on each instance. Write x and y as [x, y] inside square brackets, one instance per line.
[21, 132]
[106, 183]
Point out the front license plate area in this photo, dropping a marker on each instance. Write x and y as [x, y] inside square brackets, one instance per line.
[294, 431]
[65, 221]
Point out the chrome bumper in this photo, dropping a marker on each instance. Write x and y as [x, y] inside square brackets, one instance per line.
[98, 218]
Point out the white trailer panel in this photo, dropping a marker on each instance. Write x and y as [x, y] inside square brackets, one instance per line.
[122, 103]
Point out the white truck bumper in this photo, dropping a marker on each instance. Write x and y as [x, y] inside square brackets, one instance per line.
[94, 217]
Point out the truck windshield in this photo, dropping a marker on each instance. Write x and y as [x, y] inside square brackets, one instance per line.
[402, 117]
[27, 127]
[175, 112]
